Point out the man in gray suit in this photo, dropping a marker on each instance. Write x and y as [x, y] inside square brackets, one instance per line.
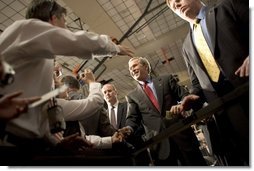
[183, 146]
[226, 31]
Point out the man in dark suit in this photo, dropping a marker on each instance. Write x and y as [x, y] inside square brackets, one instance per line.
[120, 109]
[110, 96]
[226, 31]
[183, 146]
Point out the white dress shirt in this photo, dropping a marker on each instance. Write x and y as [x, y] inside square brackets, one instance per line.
[29, 46]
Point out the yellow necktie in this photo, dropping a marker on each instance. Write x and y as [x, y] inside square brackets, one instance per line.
[206, 54]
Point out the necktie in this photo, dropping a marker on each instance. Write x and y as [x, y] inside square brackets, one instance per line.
[151, 96]
[113, 117]
[205, 54]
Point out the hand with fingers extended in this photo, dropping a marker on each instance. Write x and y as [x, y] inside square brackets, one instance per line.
[74, 143]
[124, 50]
[11, 106]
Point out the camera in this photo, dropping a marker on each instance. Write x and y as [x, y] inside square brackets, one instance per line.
[8, 74]
[79, 78]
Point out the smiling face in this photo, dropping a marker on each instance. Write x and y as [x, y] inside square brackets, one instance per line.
[138, 71]
[186, 9]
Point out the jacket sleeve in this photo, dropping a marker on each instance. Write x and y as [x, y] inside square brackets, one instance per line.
[39, 39]
[195, 85]
[178, 91]
[100, 142]
[81, 109]
[133, 117]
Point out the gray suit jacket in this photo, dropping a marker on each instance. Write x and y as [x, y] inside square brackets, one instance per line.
[142, 111]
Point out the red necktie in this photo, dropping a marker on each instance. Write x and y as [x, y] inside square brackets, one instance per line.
[151, 96]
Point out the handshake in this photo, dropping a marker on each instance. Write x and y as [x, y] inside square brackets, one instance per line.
[121, 134]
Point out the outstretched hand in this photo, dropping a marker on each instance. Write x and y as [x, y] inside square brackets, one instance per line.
[11, 106]
[124, 50]
[74, 143]
[88, 76]
[117, 137]
[185, 105]
[125, 131]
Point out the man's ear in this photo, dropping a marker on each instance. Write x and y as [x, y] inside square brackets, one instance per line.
[53, 20]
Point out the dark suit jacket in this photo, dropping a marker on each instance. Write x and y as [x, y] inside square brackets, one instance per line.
[98, 124]
[121, 114]
[142, 111]
[228, 27]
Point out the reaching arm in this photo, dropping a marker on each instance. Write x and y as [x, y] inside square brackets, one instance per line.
[48, 40]
[81, 109]
[11, 106]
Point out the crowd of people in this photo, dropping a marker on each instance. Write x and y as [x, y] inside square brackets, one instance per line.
[98, 120]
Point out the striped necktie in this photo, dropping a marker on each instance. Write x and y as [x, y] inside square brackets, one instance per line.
[205, 53]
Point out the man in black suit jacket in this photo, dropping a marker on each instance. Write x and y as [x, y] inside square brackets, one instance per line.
[183, 146]
[226, 30]
[110, 96]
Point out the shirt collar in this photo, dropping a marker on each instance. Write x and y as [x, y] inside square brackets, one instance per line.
[148, 80]
[201, 15]
[114, 105]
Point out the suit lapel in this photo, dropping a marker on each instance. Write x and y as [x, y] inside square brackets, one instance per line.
[119, 114]
[147, 99]
[194, 58]
[144, 97]
[210, 23]
[192, 50]
[157, 82]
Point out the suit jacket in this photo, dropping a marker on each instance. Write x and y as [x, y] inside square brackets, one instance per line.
[142, 111]
[228, 27]
[98, 124]
[121, 114]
